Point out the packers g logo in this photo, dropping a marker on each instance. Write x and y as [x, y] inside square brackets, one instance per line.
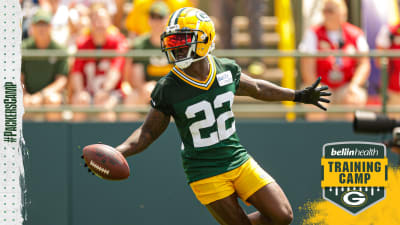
[354, 198]
[202, 16]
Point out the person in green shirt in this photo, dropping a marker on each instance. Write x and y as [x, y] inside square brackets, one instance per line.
[198, 94]
[144, 73]
[43, 79]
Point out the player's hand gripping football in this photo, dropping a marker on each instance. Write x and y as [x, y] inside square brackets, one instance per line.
[85, 165]
[312, 95]
[105, 162]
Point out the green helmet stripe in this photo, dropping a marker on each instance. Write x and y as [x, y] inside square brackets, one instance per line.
[170, 19]
[174, 18]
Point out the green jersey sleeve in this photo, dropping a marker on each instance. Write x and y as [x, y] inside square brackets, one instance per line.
[235, 69]
[236, 72]
[159, 98]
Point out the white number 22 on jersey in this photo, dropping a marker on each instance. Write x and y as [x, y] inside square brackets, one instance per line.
[222, 133]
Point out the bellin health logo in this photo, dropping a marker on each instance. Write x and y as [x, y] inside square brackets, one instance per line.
[354, 174]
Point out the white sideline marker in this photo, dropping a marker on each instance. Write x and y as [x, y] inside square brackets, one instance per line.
[11, 111]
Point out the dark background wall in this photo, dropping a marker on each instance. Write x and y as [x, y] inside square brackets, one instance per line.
[61, 191]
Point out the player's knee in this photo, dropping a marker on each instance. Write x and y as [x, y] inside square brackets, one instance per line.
[285, 217]
[289, 217]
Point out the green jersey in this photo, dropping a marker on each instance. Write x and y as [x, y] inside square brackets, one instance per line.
[155, 67]
[202, 111]
[42, 72]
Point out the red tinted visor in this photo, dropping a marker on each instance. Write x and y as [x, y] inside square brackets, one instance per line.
[181, 40]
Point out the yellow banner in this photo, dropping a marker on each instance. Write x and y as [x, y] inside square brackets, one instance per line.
[354, 172]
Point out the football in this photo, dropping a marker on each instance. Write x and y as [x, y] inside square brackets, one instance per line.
[106, 162]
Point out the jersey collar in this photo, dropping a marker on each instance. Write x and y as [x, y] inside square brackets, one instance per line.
[204, 85]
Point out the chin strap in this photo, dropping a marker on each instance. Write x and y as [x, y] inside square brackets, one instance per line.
[186, 63]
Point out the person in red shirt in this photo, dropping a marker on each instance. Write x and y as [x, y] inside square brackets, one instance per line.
[389, 38]
[345, 76]
[98, 80]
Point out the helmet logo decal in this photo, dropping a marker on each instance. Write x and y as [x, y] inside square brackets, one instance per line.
[172, 28]
[202, 16]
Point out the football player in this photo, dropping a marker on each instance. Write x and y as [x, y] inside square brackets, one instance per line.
[198, 93]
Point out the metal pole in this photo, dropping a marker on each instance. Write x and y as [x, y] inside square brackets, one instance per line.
[355, 12]
[384, 80]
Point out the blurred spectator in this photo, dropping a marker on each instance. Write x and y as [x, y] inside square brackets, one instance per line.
[43, 79]
[59, 21]
[98, 81]
[225, 11]
[389, 38]
[61, 11]
[29, 8]
[119, 13]
[110, 5]
[145, 72]
[78, 23]
[345, 76]
[137, 21]
[78, 15]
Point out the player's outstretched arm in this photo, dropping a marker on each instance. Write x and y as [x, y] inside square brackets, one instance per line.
[267, 91]
[155, 124]
[263, 90]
